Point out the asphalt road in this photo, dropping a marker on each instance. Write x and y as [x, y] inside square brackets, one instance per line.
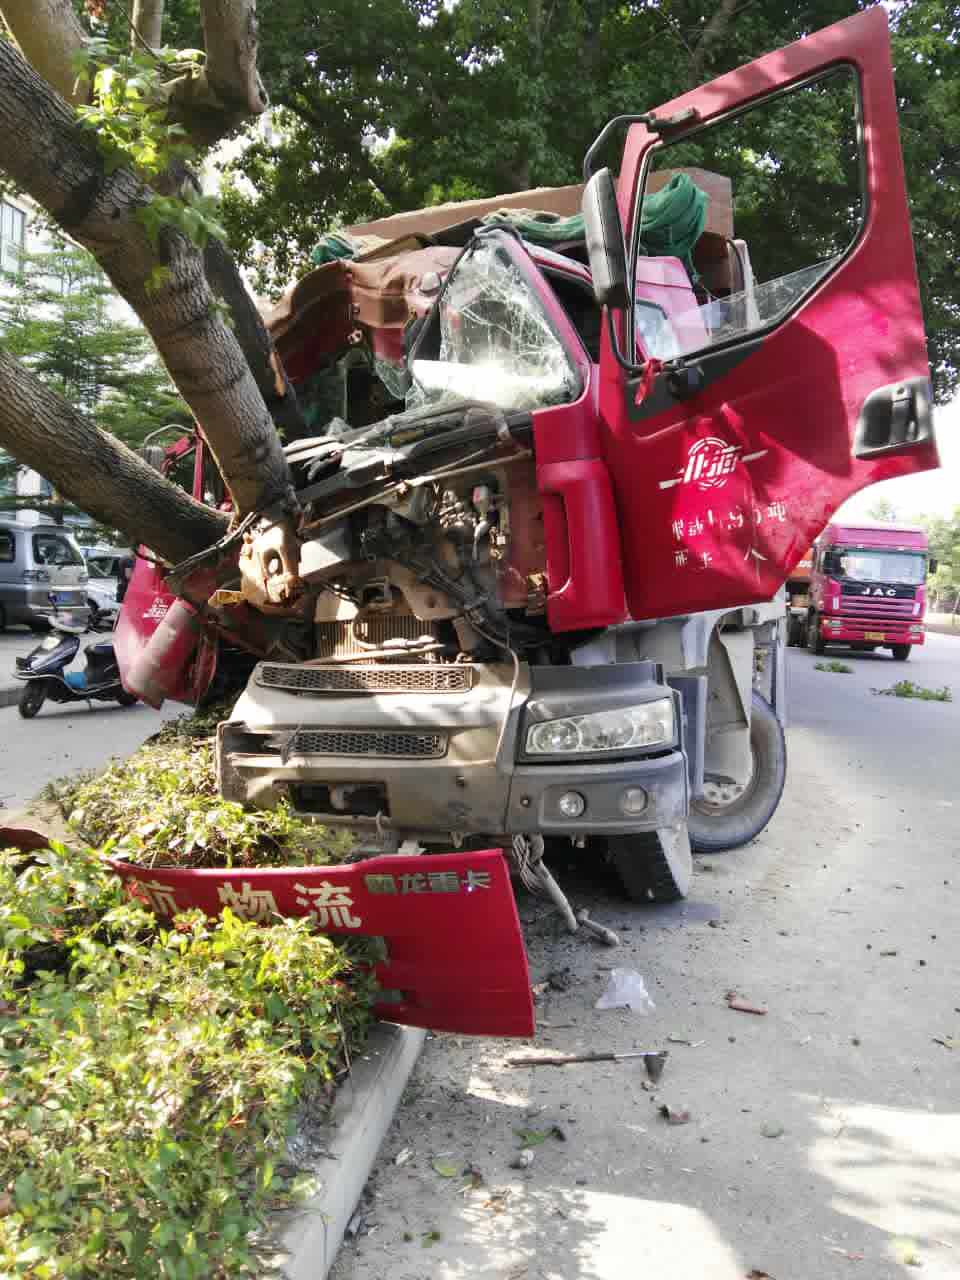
[824, 1137]
[62, 738]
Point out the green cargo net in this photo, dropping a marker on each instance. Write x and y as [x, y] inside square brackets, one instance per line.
[671, 222]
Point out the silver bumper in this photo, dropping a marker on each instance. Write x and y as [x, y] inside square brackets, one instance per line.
[434, 763]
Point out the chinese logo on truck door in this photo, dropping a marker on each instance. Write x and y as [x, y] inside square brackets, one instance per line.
[710, 464]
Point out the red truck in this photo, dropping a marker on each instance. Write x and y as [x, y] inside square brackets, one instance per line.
[560, 469]
[866, 587]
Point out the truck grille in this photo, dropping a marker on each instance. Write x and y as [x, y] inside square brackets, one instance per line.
[423, 746]
[878, 607]
[361, 679]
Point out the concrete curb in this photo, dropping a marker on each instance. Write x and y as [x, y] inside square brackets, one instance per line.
[306, 1240]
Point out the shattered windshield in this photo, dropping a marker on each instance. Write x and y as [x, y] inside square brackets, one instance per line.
[496, 340]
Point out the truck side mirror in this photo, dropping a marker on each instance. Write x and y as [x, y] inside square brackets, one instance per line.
[932, 565]
[831, 562]
[605, 248]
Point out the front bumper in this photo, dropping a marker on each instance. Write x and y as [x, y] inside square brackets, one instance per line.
[864, 631]
[446, 763]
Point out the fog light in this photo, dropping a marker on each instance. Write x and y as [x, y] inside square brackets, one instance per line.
[633, 801]
[571, 804]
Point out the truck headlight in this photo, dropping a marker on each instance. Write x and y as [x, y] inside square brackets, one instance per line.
[646, 725]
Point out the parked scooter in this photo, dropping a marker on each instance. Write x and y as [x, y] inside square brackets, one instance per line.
[43, 669]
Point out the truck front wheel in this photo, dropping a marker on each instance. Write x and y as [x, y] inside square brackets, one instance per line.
[814, 639]
[726, 817]
[901, 652]
[653, 866]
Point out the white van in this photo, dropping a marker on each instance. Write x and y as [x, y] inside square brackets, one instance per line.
[35, 560]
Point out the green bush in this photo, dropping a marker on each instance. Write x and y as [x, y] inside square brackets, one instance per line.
[161, 805]
[149, 1074]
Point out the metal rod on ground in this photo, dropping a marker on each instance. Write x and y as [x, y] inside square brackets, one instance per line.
[654, 1060]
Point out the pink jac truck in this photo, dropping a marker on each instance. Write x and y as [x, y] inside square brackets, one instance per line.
[867, 587]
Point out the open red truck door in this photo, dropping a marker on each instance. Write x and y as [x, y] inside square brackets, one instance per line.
[803, 376]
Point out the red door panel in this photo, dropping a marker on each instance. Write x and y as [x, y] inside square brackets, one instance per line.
[720, 493]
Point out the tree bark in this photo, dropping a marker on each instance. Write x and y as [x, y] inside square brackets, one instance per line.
[147, 19]
[255, 342]
[58, 166]
[49, 35]
[93, 469]
[228, 90]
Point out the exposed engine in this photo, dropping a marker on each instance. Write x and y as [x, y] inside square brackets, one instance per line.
[421, 538]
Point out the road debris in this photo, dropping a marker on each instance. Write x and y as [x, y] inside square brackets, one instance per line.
[846, 1253]
[744, 1006]
[693, 1044]
[772, 1129]
[430, 1238]
[403, 1156]
[889, 953]
[755, 1274]
[599, 931]
[654, 1059]
[674, 1115]
[625, 989]
[948, 1042]
[523, 1159]
[560, 979]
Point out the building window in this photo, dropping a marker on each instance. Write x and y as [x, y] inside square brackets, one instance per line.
[13, 231]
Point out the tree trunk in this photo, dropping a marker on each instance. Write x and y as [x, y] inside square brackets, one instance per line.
[56, 164]
[96, 471]
[713, 32]
[147, 18]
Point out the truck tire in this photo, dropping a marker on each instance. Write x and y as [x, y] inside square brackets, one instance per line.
[32, 698]
[815, 642]
[901, 652]
[653, 866]
[794, 631]
[731, 820]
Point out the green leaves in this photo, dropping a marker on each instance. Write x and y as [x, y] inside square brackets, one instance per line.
[150, 1075]
[162, 804]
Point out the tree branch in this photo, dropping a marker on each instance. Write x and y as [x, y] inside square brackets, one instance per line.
[95, 471]
[147, 23]
[56, 163]
[228, 90]
[49, 35]
[713, 32]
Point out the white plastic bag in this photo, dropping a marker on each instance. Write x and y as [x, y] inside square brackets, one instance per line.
[625, 990]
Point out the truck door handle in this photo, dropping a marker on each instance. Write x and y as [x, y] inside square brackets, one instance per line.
[894, 417]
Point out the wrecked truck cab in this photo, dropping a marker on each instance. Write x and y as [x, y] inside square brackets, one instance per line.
[516, 498]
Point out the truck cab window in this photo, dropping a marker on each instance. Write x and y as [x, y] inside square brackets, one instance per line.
[741, 220]
[907, 567]
[492, 339]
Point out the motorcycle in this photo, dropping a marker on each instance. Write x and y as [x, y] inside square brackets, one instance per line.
[42, 670]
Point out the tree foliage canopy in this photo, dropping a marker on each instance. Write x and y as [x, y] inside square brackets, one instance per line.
[394, 104]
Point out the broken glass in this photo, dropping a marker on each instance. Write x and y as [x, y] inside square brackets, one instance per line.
[496, 341]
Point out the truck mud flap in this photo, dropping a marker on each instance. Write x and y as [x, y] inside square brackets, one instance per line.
[455, 958]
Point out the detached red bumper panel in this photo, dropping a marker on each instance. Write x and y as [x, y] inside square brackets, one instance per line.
[456, 959]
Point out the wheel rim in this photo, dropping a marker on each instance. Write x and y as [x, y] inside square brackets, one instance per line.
[722, 796]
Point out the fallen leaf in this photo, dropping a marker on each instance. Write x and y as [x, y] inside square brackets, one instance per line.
[446, 1169]
[532, 1137]
[430, 1237]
